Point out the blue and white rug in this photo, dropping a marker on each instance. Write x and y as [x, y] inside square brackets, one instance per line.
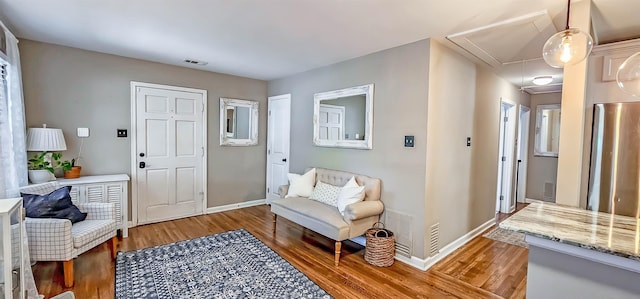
[233, 264]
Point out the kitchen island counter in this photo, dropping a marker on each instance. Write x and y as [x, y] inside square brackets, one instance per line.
[575, 253]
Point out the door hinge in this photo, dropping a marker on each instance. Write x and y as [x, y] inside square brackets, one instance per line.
[202, 151]
[506, 119]
[268, 190]
[268, 152]
[501, 197]
[269, 112]
[504, 158]
[203, 107]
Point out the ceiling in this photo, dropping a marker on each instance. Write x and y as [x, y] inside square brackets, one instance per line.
[273, 39]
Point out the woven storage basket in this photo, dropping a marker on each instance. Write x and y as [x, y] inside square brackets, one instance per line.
[380, 250]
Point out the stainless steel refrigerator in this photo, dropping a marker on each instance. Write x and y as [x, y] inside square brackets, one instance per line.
[614, 180]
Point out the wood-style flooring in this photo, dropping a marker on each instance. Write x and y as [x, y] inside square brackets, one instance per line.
[482, 268]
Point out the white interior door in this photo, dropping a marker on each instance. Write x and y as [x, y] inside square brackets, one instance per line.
[278, 139]
[331, 122]
[169, 152]
[523, 153]
[505, 199]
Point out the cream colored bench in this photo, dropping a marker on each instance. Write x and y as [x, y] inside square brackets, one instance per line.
[327, 220]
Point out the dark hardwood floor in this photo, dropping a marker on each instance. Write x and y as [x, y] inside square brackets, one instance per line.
[483, 268]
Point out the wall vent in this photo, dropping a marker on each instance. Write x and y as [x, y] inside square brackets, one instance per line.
[400, 225]
[549, 191]
[434, 239]
[191, 61]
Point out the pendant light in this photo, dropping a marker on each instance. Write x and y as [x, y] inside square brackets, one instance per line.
[567, 47]
[628, 76]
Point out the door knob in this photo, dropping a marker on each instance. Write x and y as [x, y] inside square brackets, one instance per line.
[143, 165]
[141, 154]
[284, 160]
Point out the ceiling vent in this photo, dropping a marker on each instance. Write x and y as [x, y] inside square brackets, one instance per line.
[191, 61]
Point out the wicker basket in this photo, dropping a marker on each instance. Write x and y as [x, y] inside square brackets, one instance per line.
[380, 250]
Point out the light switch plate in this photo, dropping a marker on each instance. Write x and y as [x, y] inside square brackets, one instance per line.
[408, 141]
[83, 132]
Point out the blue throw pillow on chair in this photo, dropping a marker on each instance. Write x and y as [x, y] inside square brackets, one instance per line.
[56, 204]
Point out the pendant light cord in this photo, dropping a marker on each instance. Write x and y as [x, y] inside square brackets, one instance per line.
[568, 13]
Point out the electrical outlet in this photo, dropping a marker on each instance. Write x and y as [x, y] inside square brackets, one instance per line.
[122, 133]
[408, 141]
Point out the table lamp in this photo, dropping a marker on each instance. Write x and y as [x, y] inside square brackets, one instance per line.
[44, 140]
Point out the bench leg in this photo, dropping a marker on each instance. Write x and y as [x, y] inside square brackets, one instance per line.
[67, 271]
[113, 245]
[275, 218]
[336, 260]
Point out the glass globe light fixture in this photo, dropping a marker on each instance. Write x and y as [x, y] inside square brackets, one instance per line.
[567, 47]
[628, 76]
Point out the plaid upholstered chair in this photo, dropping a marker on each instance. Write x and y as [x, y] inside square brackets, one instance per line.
[52, 239]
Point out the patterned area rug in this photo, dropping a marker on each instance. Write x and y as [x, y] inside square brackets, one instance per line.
[233, 264]
[507, 236]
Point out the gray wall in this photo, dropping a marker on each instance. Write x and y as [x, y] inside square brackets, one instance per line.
[354, 110]
[490, 90]
[68, 88]
[540, 170]
[400, 76]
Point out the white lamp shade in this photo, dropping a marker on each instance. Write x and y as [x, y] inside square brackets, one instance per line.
[45, 139]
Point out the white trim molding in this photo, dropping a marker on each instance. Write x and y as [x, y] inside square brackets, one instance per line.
[236, 206]
[425, 264]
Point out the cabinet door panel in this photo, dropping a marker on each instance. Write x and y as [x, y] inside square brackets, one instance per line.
[95, 193]
[75, 194]
[114, 195]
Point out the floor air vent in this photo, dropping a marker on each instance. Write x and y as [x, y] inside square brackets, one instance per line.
[434, 238]
[400, 225]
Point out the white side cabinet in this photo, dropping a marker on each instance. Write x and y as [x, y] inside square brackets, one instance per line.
[103, 188]
[12, 275]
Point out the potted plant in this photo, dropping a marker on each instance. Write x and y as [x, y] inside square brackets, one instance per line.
[40, 169]
[71, 171]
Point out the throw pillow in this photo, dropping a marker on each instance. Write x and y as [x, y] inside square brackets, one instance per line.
[301, 185]
[349, 194]
[56, 204]
[326, 193]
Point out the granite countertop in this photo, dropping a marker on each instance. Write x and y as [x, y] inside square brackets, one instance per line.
[608, 233]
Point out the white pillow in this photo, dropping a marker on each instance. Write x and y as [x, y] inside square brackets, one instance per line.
[349, 194]
[326, 193]
[301, 185]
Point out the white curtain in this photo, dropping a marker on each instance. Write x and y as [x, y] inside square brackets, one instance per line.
[13, 154]
[13, 150]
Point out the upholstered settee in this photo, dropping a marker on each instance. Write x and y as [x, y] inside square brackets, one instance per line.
[326, 219]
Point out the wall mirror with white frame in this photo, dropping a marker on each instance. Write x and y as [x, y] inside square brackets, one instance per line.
[344, 118]
[547, 141]
[238, 122]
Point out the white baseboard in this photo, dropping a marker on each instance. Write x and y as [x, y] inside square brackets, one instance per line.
[531, 200]
[130, 224]
[425, 264]
[235, 206]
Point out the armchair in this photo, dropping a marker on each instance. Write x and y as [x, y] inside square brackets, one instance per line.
[52, 239]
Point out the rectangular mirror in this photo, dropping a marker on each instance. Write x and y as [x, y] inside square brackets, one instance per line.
[238, 122]
[344, 118]
[547, 140]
